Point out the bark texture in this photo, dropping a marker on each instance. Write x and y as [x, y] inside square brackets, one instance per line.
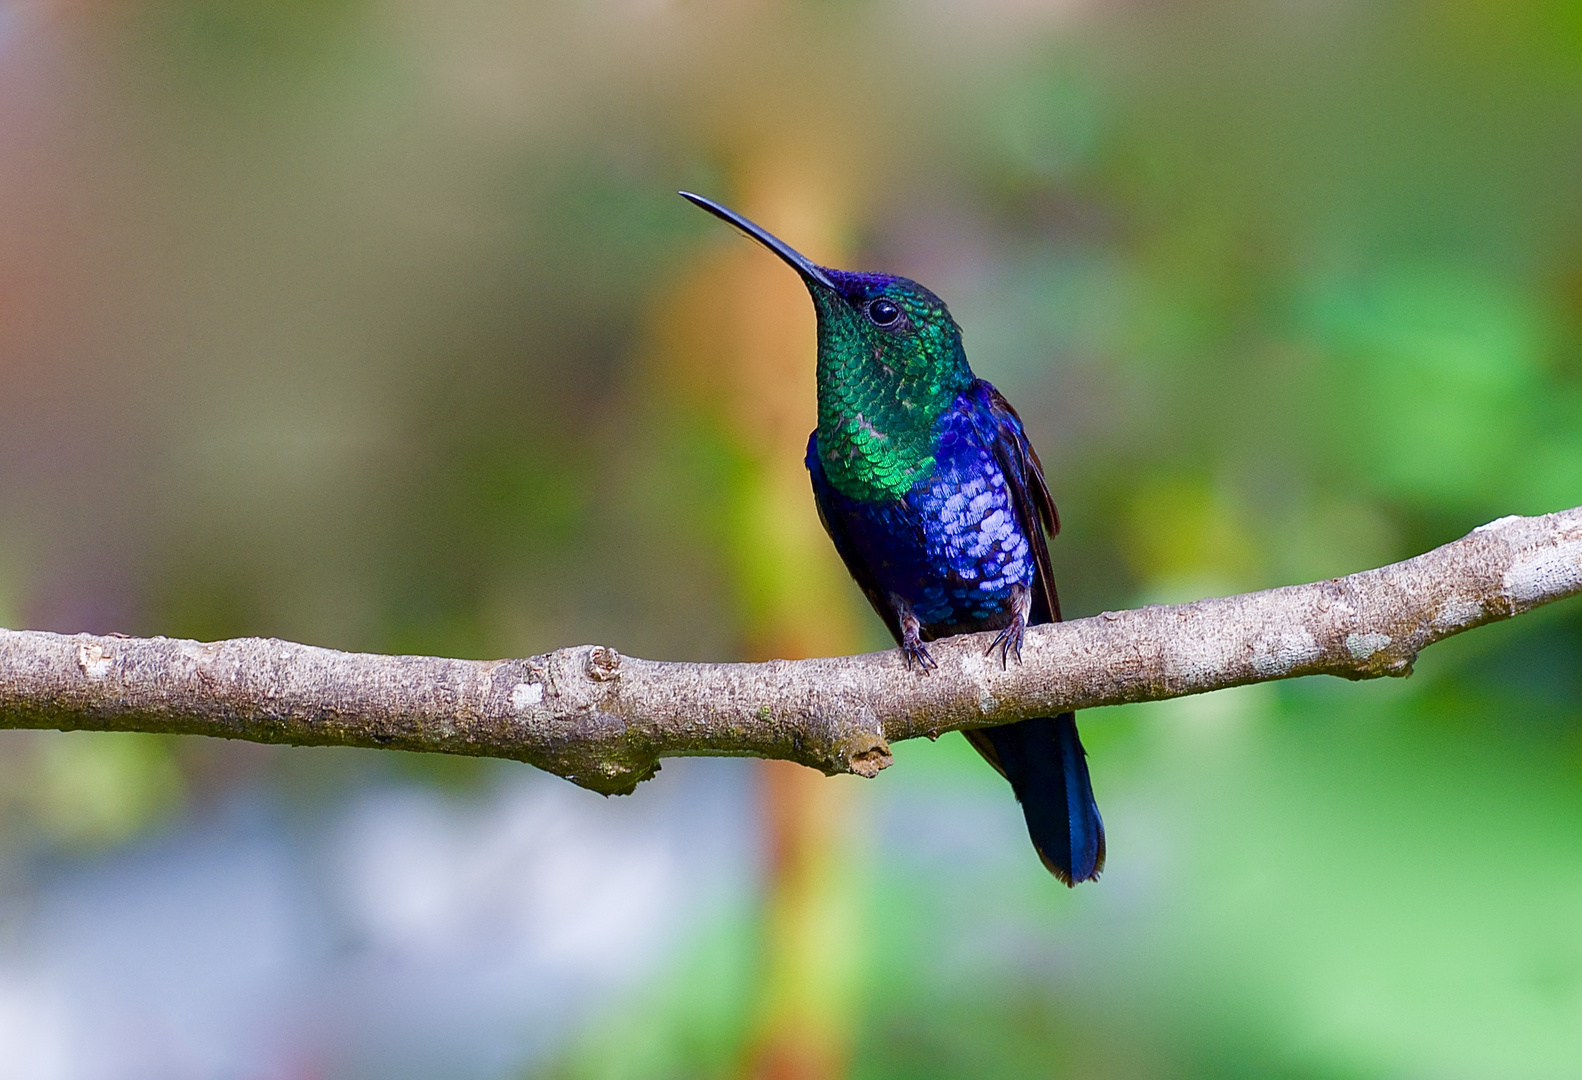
[604, 720]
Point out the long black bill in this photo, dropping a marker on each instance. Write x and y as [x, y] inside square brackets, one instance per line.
[799, 262]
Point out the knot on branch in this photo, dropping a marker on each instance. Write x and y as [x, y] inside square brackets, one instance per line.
[603, 664]
[866, 755]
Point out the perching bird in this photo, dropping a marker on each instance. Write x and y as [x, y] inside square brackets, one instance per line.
[926, 482]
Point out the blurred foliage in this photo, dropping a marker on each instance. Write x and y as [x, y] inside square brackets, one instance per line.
[93, 789]
[84, 792]
[356, 340]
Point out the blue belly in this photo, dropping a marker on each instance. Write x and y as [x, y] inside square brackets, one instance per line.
[953, 547]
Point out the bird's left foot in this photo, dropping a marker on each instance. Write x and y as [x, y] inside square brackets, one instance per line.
[912, 636]
[1010, 639]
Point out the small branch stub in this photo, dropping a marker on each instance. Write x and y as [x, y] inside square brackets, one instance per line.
[604, 664]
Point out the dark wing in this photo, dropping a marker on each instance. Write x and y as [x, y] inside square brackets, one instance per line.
[999, 427]
[1041, 757]
[831, 513]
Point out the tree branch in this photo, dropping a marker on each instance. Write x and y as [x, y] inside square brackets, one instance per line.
[604, 720]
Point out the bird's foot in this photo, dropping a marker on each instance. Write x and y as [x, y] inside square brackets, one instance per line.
[1010, 639]
[912, 636]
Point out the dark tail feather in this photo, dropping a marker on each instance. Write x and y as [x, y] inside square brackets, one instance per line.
[1048, 769]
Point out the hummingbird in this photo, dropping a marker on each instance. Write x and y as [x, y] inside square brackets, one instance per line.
[926, 483]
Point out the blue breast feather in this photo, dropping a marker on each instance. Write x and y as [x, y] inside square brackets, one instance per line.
[954, 546]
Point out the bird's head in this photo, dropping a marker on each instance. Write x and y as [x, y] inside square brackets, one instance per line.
[890, 362]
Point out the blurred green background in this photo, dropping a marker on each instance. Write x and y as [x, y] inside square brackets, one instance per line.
[377, 324]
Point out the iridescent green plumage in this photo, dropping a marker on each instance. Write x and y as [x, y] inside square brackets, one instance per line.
[881, 389]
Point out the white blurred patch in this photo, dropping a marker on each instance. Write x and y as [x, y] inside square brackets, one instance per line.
[531, 879]
[400, 934]
[34, 1032]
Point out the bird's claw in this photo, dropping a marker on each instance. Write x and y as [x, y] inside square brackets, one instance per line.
[1008, 641]
[916, 650]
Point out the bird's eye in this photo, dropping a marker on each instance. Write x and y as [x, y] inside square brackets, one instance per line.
[883, 313]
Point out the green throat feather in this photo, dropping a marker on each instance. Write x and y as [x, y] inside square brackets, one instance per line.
[882, 389]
